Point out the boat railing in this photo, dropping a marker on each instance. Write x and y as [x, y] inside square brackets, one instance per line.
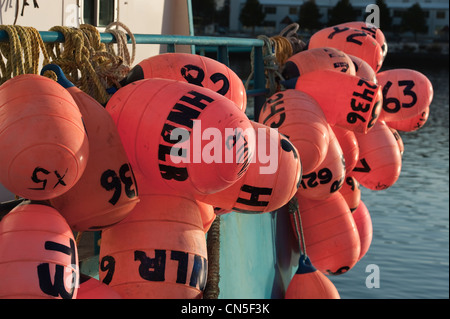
[221, 45]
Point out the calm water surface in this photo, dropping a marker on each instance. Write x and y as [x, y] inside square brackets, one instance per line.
[410, 242]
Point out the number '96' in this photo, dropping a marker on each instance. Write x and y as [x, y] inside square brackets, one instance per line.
[113, 182]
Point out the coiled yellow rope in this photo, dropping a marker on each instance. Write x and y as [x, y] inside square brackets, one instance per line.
[20, 55]
[85, 60]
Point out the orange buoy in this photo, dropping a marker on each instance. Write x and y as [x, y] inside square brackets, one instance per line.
[38, 255]
[371, 29]
[399, 140]
[43, 141]
[298, 116]
[380, 161]
[406, 94]
[351, 41]
[181, 137]
[351, 191]
[364, 225]
[108, 180]
[317, 59]
[309, 283]
[331, 237]
[270, 181]
[363, 69]
[194, 69]
[328, 177]
[157, 252]
[411, 124]
[347, 100]
[349, 145]
[208, 215]
[91, 288]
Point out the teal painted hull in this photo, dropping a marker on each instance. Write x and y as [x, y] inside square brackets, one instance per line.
[258, 255]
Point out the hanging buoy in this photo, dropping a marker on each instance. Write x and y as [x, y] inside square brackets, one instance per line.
[364, 225]
[351, 41]
[351, 191]
[194, 69]
[317, 59]
[91, 288]
[181, 137]
[208, 215]
[270, 181]
[328, 177]
[38, 255]
[298, 116]
[108, 180]
[349, 145]
[331, 237]
[406, 94]
[44, 144]
[309, 283]
[399, 140]
[157, 252]
[371, 29]
[363, 69]
[347, 100]
[411, 124]
[380, 162]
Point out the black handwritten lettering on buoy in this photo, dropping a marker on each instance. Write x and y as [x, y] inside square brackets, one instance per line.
[323, 175]
[361, 102]
[111, 181]
[108, 264]
[196, 75]
[154, 268]
[242, 151]
[184, 112]
[365, 168]
[56, 287]
[275, 104]
[255, 193]
[39, 174]
[392, 104]
[352, 38]
[374, 115]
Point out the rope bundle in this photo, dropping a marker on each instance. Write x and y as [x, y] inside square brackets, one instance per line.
[276, 51]
[87, 62]
[21, 52]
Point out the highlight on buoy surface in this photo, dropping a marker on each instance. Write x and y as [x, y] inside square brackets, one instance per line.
[44, 144]
[269, 183]
[347, 100]
[370, 29]
[180, 136]
[317, 59]
[351, 41]
[406, 94]
[364, 225]
[300, 118]
[380, 162]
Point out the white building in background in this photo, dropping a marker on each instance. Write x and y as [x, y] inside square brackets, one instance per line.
[280, 13]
